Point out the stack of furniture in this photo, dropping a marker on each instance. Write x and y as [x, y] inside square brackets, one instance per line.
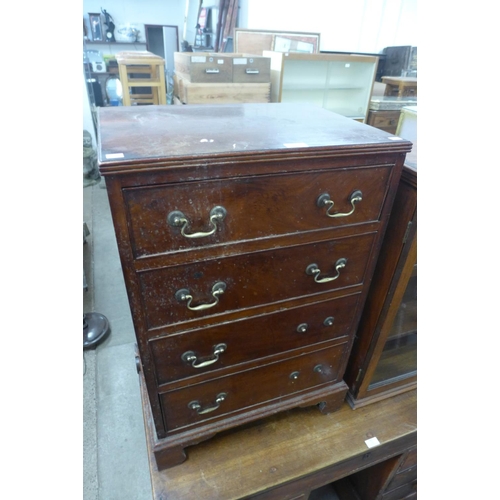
[145, 71]
[385, 111]
[221, 78]
[248, 235]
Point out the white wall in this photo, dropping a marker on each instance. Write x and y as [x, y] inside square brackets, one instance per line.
[344, 25]
[138, 12]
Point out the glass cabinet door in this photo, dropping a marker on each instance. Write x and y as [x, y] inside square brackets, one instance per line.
[349, 87]
[342, 84]
[304, 81]
[398, 359]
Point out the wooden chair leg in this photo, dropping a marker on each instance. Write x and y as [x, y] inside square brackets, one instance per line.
[122, 71]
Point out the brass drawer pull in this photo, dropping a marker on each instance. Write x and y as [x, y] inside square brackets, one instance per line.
[324, 200]
[183, 295]
[190, 357]
[178, 219]
[195, 405]
[313, 270]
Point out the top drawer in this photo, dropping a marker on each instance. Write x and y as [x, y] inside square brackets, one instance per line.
[204, 67]
[251, 69]
[174, 217]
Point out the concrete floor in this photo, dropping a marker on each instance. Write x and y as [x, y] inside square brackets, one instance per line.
[115, 463]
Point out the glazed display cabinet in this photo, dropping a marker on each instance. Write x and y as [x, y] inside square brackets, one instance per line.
[384, 356]
[341, 83]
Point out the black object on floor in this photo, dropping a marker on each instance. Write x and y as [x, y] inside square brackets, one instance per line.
[95, 329]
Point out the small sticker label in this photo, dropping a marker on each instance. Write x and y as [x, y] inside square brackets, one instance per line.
[240, 60]
[220, 61]
[113, 156]
[395, 138]
[198, 59]
[372, 442]
[296, 145]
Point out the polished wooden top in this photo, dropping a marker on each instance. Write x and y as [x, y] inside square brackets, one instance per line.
[133, 134]
[281, 448]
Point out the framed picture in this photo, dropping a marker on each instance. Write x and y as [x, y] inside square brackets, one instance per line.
[96, 27]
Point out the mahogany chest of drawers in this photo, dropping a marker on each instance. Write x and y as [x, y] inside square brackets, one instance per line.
[248, 236]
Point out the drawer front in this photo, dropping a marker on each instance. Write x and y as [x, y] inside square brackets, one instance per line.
[402, 493]
[210, 349]
[255, 207]
[204, 68]
[409, 92]
[384, 119]
[401, 478]
[251, 69]
[392, 90]
[170, 294]
[243, 390]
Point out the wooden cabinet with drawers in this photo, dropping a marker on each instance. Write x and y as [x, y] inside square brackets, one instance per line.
[248, 236]
[209, 67]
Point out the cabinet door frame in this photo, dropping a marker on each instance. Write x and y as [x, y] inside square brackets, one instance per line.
[400, 281]
[396, 265]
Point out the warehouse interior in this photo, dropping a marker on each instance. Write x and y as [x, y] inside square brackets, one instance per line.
[109, 456]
